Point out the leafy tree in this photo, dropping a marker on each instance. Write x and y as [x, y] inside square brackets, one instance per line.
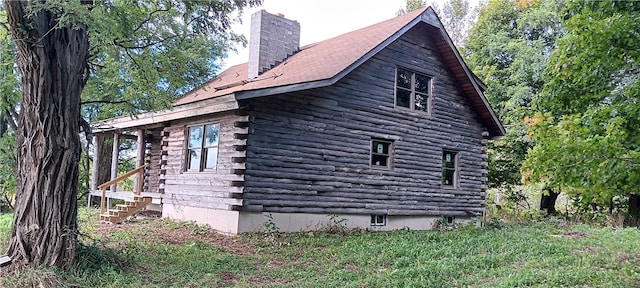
[587, 128]
[136, 53]
[508, 49]
[9, 95]
[457, 16]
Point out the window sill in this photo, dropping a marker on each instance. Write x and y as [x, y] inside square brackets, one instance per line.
[200, 172]
[412, 112]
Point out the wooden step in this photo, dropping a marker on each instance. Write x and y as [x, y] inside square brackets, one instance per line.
[124, 207]
[125, 210]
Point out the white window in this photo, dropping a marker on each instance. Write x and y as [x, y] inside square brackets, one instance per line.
[378, 220]
[202, 147]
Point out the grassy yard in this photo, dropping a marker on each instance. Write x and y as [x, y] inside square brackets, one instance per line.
[161, 253]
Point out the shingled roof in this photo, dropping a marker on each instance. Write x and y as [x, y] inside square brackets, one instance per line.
[326, 62]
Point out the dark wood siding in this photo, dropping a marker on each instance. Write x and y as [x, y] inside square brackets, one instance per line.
[217, 190]
[310, 151]
[153, 154]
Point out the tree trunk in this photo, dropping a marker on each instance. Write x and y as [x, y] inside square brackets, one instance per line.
[632, 219]
[53, 63]
[548, 201]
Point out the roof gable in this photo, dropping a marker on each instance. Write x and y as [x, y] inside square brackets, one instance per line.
[326, 62]
[315, 65]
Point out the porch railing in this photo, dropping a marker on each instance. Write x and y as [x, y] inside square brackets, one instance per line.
[104, 186]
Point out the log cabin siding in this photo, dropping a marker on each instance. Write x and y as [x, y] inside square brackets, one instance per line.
[153, 154]
[208, 189]
[309, 152]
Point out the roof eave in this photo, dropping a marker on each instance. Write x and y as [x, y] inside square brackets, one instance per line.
[150, 119]
[478, 86]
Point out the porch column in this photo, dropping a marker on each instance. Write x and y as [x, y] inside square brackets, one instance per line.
[97, 150]
[114, 159]
[138, 181]
[98, 140]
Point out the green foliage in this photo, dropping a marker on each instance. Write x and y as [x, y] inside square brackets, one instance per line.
[337, 225]
[586, 131]
[506, 255]
[5, 228]
[145, 54]
[457, 16]
[508, 49]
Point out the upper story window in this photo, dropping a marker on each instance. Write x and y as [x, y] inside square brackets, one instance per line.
[449, 169]
[381, 154]
[202, 147]
[413, 90]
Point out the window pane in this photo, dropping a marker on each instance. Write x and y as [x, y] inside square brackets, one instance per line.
[195, 137]
[212, 158]
[194, 159]
[422, 84]
[212, 133]
[380, 147]
[449, 160]
[447, 176]
[421, 102]
[403, 98]
[379, 160]
[403, 79]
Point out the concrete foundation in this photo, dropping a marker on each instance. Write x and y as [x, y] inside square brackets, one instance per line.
[233, 222]
[220, 220]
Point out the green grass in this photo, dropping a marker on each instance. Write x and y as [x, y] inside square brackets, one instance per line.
[161, 253]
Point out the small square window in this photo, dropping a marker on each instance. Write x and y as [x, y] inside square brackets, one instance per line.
[451, 219]
[413, 90]
[381, 154]
[449, 168]
[378, 220]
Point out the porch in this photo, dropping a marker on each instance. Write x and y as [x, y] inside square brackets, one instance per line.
[108, 186]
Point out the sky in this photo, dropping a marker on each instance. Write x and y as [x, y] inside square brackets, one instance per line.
[319, 19]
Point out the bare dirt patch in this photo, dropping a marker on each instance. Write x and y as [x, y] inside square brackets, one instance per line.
[149, 227]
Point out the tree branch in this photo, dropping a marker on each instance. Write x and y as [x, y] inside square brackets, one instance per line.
[86, 128]
[103, 102]
[126, 47]
[11, 120]
[145, 21]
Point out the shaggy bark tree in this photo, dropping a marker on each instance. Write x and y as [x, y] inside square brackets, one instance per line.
[52, 59]
[142, 55]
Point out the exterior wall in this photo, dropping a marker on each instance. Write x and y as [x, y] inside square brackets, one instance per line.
[309, 152]
[200, 195]
[294, 222]
[153, 154]
[220, 220]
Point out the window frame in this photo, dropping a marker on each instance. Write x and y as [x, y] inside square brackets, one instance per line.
[203, 148]
[455, 169]
[412, 91]
[389, 154]
[374, 220]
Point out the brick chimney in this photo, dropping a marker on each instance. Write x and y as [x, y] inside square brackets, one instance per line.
[273, 38]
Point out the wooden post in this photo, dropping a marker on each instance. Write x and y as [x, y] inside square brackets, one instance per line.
[104, 192]
[114, 160]
[98, 141]
[139, 180]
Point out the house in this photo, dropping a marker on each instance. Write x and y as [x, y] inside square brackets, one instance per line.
[385, 127]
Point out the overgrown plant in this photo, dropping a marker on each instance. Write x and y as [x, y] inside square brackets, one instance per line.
[337, 225]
